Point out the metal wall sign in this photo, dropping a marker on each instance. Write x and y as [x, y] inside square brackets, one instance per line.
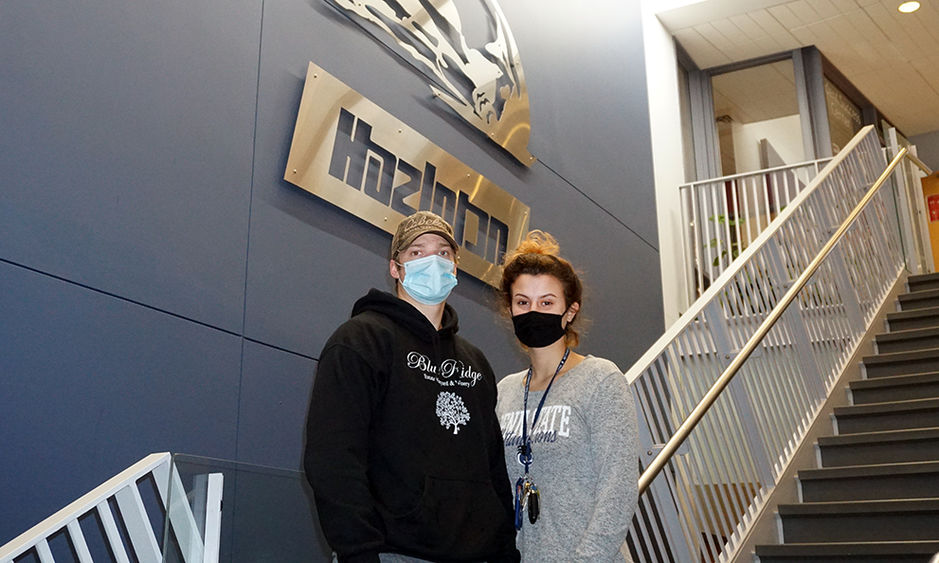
[485, 86]
[357, 156]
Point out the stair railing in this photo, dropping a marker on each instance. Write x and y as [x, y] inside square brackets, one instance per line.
[714, 445]
[130, 516]
[723, 216]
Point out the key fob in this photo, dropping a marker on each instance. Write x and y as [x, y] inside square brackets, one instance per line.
[534, 504]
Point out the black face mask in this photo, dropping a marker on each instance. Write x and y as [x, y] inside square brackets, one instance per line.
[537, 330]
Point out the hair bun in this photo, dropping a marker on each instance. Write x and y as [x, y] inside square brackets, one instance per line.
[536, 242]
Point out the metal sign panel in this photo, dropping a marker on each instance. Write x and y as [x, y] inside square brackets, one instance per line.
[357, 156]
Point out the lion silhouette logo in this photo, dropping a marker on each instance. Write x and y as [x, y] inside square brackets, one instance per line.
[485, 86]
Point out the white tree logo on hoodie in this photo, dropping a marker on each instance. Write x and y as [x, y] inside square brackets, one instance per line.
[451, 410]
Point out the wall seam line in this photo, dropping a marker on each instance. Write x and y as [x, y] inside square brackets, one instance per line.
[244, 296]
[605, 210]
[119, 297]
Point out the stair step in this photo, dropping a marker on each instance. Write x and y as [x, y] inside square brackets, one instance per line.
[919, 299]
[876, 497]
[908, 340]
[871, 482]
[902, 363]
[895, 446]
[895, 415]
[872, 520]
[895, 388]
[920, 282]
[831, 552]
[920, 318]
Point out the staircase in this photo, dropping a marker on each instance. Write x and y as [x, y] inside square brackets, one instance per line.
[876, 496]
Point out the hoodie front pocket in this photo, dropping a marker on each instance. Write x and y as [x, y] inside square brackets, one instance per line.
[454, 519]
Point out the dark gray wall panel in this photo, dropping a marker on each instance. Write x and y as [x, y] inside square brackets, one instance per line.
[275, 395]
[92, 384]
[309, 260]
[927, 147]
[590, 115]
[126, 145]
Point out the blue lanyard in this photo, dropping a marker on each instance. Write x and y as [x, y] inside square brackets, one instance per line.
[524, 451]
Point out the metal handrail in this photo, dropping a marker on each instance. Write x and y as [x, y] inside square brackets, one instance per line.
[670, 447]
[818, 163]
[919, 163]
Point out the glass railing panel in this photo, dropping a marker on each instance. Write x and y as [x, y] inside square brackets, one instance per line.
[265, 515]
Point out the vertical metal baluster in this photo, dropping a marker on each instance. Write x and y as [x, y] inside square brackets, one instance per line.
[737, 221]
[665, 504]
[687, 239]
[110, 529]
[138, 527]
[718, 329]
[78, 542]
[697, 241]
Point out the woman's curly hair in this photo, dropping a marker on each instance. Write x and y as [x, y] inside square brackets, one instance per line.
[537, 255]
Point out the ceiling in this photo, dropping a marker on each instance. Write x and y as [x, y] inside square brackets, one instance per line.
[892, 58]
[757, 93]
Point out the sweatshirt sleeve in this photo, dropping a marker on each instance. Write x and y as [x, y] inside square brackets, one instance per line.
[345, 391]
[613, 430]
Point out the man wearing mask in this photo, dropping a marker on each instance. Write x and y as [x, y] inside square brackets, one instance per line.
[403, 448]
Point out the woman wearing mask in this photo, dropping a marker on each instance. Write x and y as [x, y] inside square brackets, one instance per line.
[568, 420]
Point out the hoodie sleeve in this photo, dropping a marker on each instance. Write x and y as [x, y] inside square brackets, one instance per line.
[345, 392]
[500, 480]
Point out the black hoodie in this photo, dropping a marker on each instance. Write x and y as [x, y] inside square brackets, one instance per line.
[403, 447]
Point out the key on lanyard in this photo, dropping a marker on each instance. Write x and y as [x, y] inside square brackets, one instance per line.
[527, 496]
[534, 502]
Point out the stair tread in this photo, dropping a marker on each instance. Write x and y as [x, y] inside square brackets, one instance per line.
[919, 294]
[899, 335]
[896, 380]
[871, 470]
[927, 277]
[880, 436]
[866, 507]
[914, 314]
[889, 357]
[908, 405]
[849, 548]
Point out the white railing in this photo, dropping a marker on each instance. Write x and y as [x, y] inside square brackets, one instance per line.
[123, 492]
[723, 216]
[701, 505]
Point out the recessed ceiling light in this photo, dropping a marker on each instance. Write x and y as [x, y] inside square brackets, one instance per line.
[908, 7]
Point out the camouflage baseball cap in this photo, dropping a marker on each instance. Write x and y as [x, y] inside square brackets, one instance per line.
[420, 223]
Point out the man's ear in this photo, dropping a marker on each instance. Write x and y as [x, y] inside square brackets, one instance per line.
[393, 270]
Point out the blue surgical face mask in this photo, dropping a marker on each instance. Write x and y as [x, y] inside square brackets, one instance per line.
[429, 280]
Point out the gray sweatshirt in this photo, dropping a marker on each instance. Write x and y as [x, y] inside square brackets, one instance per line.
[585, 462]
